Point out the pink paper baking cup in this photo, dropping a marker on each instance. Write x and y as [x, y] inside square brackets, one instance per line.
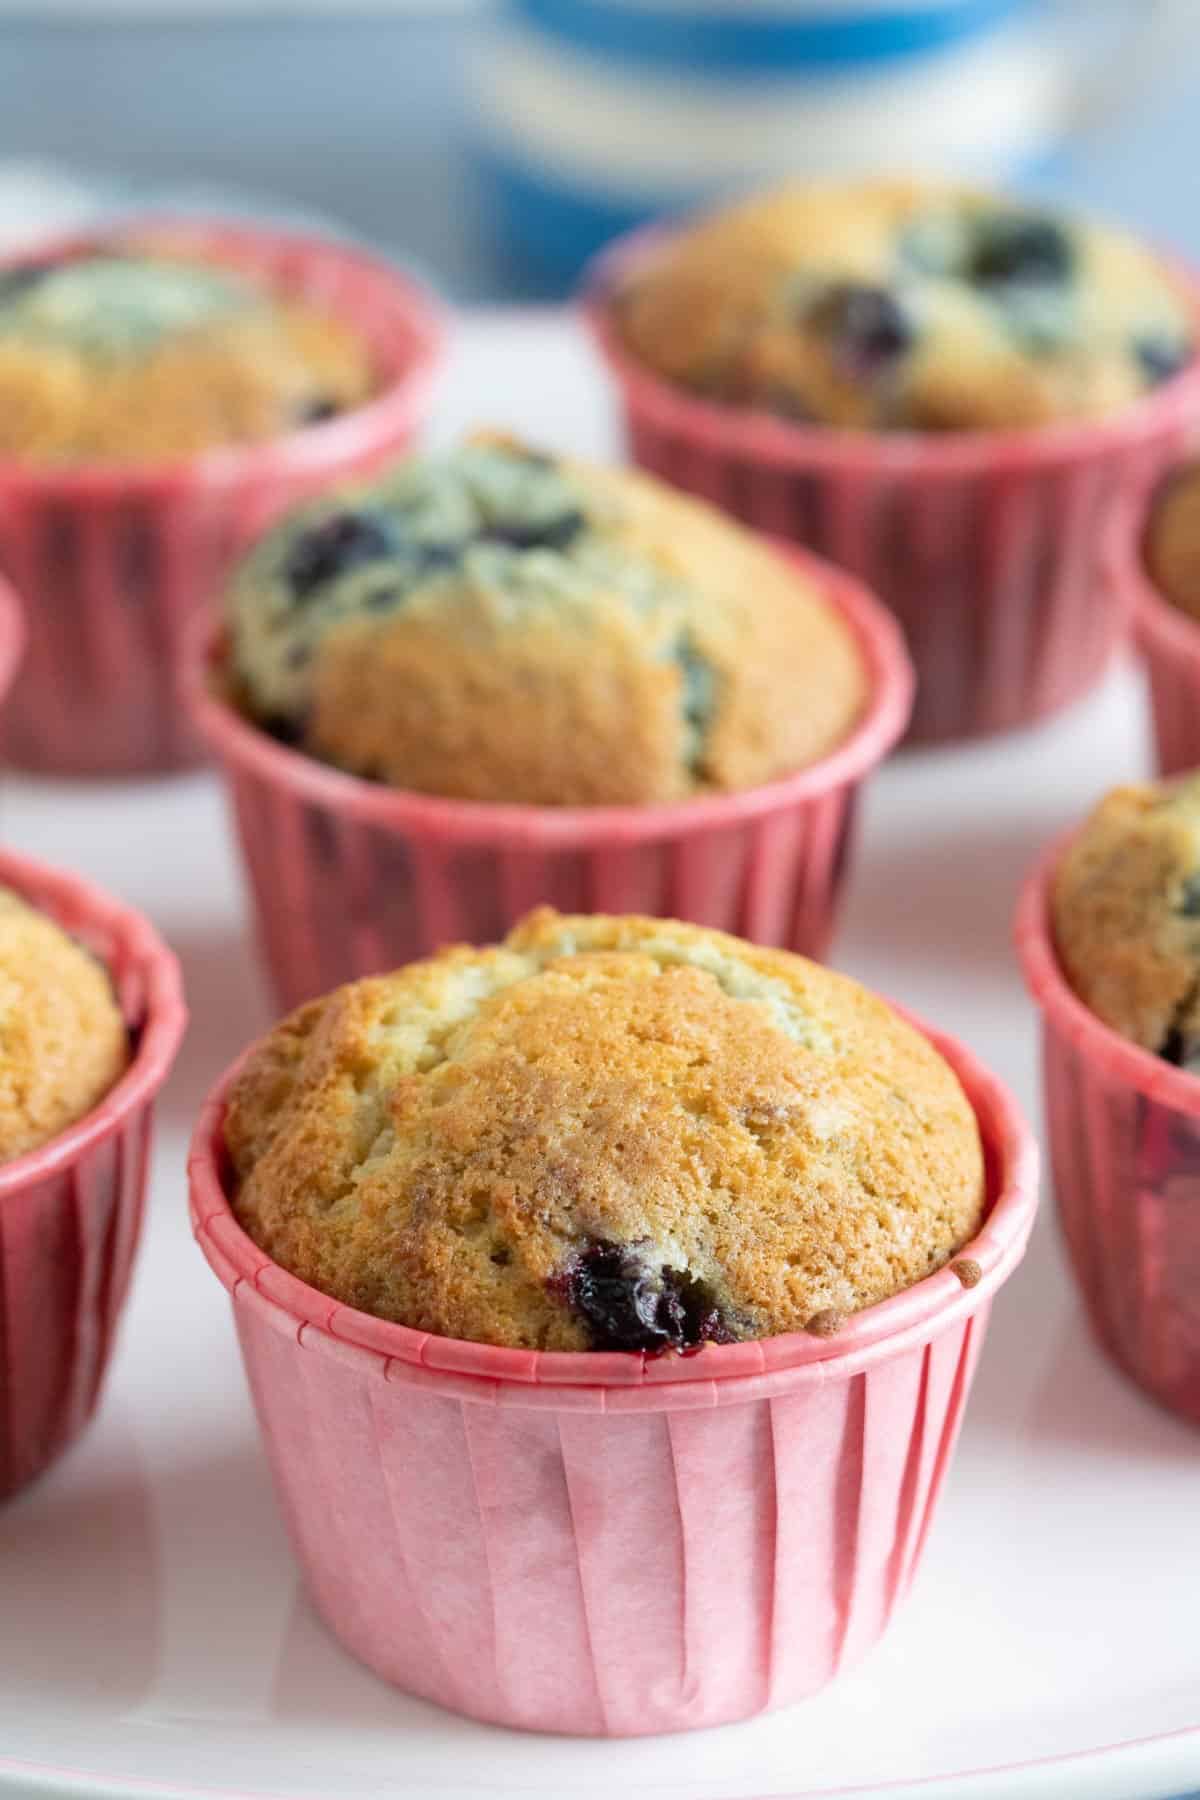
[1169, 642]
[113, 560]
[984, 544]
[607, 1543]
[350, 877]
[12, 638]
[1124, 1131]
[70, 1212]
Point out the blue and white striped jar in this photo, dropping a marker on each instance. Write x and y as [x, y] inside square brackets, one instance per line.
[595, 114]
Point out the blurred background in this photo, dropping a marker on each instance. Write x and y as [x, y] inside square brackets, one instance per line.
[495, 143]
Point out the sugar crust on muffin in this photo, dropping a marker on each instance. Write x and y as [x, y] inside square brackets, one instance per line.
[63, 1041]
[619, 1133]
[906, 305]
[1126, 916]
[137, 352]
[497, 624]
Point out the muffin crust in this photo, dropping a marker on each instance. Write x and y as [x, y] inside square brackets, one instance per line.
[605, 1133]
[897, 304]
[494, 624]
[63, 1042]
[135, 353]
[1126, 911]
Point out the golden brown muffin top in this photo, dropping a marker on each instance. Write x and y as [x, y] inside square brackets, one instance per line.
[63, 1042]
[134, 352]
[607, 1133]
[1172, 540]
[496, 624]
[905, 305]
[1126, 914]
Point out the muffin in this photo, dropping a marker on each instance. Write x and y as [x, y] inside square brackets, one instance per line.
[494, 624]
[1108, 932]
[132, 352]
[64, 1041]
[1126, 916]
[89, 1036]
[898, 305]
[947, 393]
[606, 1133]
[153, 380]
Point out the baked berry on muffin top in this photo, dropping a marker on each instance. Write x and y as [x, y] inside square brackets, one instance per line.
[131, 352]
[905, 305]
[64, 1043]
[496, 624]
[606, 1133]
[1126, 915]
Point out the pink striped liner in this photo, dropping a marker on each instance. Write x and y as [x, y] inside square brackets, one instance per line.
[1169, 642]
[607, 1543]
[113, 561]
[1124, 1131]
[984, 544]
[70, 1212]
[350, 877]
[12, 639]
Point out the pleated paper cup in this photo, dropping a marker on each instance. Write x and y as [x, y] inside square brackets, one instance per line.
[1169, 642]
[1124, 1130]
[113, 560]
[609, 1543]
[13, 637]
[984, 544]
[350, 877]
[71, 1211]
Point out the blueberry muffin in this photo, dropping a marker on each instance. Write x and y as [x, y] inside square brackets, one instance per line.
[494, 624]
[134, 353]
[901, 305]
[606, 1133]
[1126, 913]
[1172, 542]
[63, 1042]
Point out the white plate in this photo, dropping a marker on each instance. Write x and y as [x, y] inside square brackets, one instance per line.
[153, 1638]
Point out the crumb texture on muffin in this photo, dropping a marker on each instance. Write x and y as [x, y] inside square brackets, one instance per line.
[1126, 916]
[495, 624]
[606, 1133]
[63, 1042]
[1172, 541]
[134, 352]
[905, 305]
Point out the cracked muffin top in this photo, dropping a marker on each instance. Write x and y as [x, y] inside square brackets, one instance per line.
[1172, 539]
[63, 1042]
[905, 305]
[495, 624]
[130, 352]
[1126, 914]
[605, 1133]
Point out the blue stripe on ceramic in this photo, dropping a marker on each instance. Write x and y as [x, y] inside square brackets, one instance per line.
[554, 225]
[743, 41]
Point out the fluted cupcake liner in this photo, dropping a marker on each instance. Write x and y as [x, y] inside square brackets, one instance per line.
[349, 877]
[112, 561]
[611, 1543]
[1124, 1134]
[984, 544]
[1168, 639]
[70, 1212]
[13, 638]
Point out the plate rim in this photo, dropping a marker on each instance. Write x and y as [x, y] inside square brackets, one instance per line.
[51, 1777]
